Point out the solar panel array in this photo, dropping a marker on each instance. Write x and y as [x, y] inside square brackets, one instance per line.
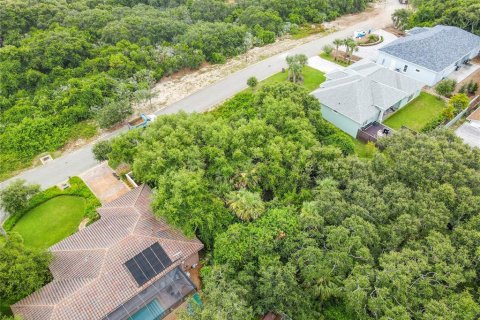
[148, 263]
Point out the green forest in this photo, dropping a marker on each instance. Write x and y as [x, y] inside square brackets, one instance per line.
[464, 14]
[64, 64]
[293, 225]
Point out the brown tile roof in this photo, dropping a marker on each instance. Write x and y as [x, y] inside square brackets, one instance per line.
[90, 279]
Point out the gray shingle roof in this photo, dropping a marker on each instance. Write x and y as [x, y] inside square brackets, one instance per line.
[364, 89]
[433, 48]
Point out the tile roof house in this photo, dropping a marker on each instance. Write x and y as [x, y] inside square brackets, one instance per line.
[362, 94]
[430, 54]
[92, 275]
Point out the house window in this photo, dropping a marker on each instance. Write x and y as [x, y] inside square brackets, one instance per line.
[383, 61]
[405, 68]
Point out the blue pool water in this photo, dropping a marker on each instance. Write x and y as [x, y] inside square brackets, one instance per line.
[152, 311]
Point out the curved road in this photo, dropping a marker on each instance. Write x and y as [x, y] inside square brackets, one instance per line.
[78, 161]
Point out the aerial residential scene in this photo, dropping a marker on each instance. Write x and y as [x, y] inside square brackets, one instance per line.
[239, 159]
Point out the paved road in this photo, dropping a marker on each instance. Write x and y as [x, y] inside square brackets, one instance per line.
[78, 161]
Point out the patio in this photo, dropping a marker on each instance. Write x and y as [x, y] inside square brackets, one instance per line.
[374, 131]
[464, 72]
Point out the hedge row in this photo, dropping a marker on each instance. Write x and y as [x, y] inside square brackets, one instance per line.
[77, 188]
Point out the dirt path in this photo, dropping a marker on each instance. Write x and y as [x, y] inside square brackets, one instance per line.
[174, 88]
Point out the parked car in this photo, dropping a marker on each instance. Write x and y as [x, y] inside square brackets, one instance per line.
[141, 122]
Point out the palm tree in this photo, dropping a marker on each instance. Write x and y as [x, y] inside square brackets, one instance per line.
[295, 66]
[400, 18]
[246, 205]
[352, 46]
[337, 43]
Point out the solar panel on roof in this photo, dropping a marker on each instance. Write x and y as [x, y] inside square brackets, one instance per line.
[145, 266]
[148, 263]
[161, 254]
[137, 274]
[154, 261]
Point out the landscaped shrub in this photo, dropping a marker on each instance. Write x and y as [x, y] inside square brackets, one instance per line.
[252, 82]
[446, 87]
[434, 123]
[472, 87]
[327, 49]
[77, 188]
[459, 102]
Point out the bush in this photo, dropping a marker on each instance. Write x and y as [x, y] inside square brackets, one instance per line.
[77, 188]
[101, 150]
[113, 113]
[472, 87]
[459, 102]
[252, 82]
[218, 58]
[434, 123]
[327, 49]
[446, 87]
[15, 197]
[342, 141]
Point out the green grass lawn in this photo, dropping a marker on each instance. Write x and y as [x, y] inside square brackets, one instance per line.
[51, 221]
[312, 78]
[330, 58]
[417, 113]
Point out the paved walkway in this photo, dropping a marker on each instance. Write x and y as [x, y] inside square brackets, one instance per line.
[103, 183]
[469, 134]
[323, 65]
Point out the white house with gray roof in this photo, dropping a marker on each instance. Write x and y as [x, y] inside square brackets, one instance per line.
[362, 94]
[430, 54]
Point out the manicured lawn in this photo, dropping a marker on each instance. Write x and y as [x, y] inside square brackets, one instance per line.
[330, 58]
[417, 113]
[51, 221]
[312, 78]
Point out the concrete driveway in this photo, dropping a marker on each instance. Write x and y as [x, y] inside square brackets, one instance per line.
[103, 183]
[469, 134]
[323, 65]
[371, 52]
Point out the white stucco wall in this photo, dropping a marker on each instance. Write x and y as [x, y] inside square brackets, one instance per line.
[419, 73]
[414, 71]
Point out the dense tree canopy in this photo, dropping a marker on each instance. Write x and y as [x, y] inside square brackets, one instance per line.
[464, 14]
[64, 62]
[22, 270]
[295, 227]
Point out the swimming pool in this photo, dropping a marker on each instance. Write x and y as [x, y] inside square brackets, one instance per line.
[152, 311]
